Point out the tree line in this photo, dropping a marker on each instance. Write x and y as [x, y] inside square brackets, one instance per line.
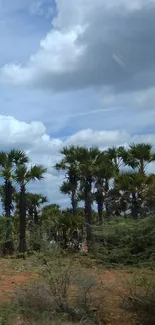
[115, 179]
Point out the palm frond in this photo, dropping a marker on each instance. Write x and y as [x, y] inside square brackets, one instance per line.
[18, 156]
[36, 172]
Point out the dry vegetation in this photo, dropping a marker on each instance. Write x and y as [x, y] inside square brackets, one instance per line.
[44, 290]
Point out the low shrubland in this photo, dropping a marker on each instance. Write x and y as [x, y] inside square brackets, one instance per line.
[140, 299]
[122, 242]
[64, 293]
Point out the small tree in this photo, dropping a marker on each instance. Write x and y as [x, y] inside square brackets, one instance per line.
[69, 164]
[8, 162]
[23, 176]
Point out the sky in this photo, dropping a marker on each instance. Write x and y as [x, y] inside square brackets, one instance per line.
[75, 72]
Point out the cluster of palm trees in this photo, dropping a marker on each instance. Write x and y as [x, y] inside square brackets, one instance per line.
[115, 178]
[16, 173]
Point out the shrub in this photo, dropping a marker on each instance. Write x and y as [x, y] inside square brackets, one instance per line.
[36, 298]
[141, 300]
[126, 241]
[74, 290]
[64, 293]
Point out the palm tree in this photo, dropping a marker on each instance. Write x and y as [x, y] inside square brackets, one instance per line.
[149, 194]
[8, 162]
[68, 189]
[49, 220]
[105, 170]
[33, 203]
[131, 184]
[69, 164]
[67, 223]
[23, 176]
[87, 162]
[139, 156]
[115, 156]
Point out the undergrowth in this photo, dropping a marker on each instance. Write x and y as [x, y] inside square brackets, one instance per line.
[126, 242]
[140, 299]
[64, 294]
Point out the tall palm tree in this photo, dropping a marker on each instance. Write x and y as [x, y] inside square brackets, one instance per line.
[87, 162]
[69, 164]
[105, 171]
[23, 176]
[8, 163]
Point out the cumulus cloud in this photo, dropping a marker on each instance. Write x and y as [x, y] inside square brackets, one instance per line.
[100, 138]
[98, 43]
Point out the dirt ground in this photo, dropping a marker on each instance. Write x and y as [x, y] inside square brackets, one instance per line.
[113, 281]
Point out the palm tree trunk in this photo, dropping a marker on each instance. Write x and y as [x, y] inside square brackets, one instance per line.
[36, 221]
[100, 203]
[142, 166]
[88, 212]
[9, 247]
[74, 201]
[106, 191]
[134, 208]
[22, 242]
[64, 235]
[100, 212]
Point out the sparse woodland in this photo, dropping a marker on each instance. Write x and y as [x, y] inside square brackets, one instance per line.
[112, 210]
[103, 187]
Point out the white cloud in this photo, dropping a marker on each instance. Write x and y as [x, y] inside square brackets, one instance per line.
[58, 54]
[100, 138]
[139, 99]
[91, 43]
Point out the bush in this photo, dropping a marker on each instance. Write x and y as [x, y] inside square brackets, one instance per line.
[37, 299]
[126, 241]
[141, 300]
[64, 294]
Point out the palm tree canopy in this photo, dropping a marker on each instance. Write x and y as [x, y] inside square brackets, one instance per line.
[141, 154]
[19, 157]
[8, 162]
[87, 160]
[24, 175]
[141, 151]
[66, 188]
[36, 199]
[129, 181]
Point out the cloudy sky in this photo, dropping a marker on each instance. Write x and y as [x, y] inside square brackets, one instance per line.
[75, 72]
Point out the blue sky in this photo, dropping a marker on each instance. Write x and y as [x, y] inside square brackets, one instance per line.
[75, 72]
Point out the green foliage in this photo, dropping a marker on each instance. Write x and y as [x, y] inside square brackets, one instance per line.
[90, 175]
[126, 242]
